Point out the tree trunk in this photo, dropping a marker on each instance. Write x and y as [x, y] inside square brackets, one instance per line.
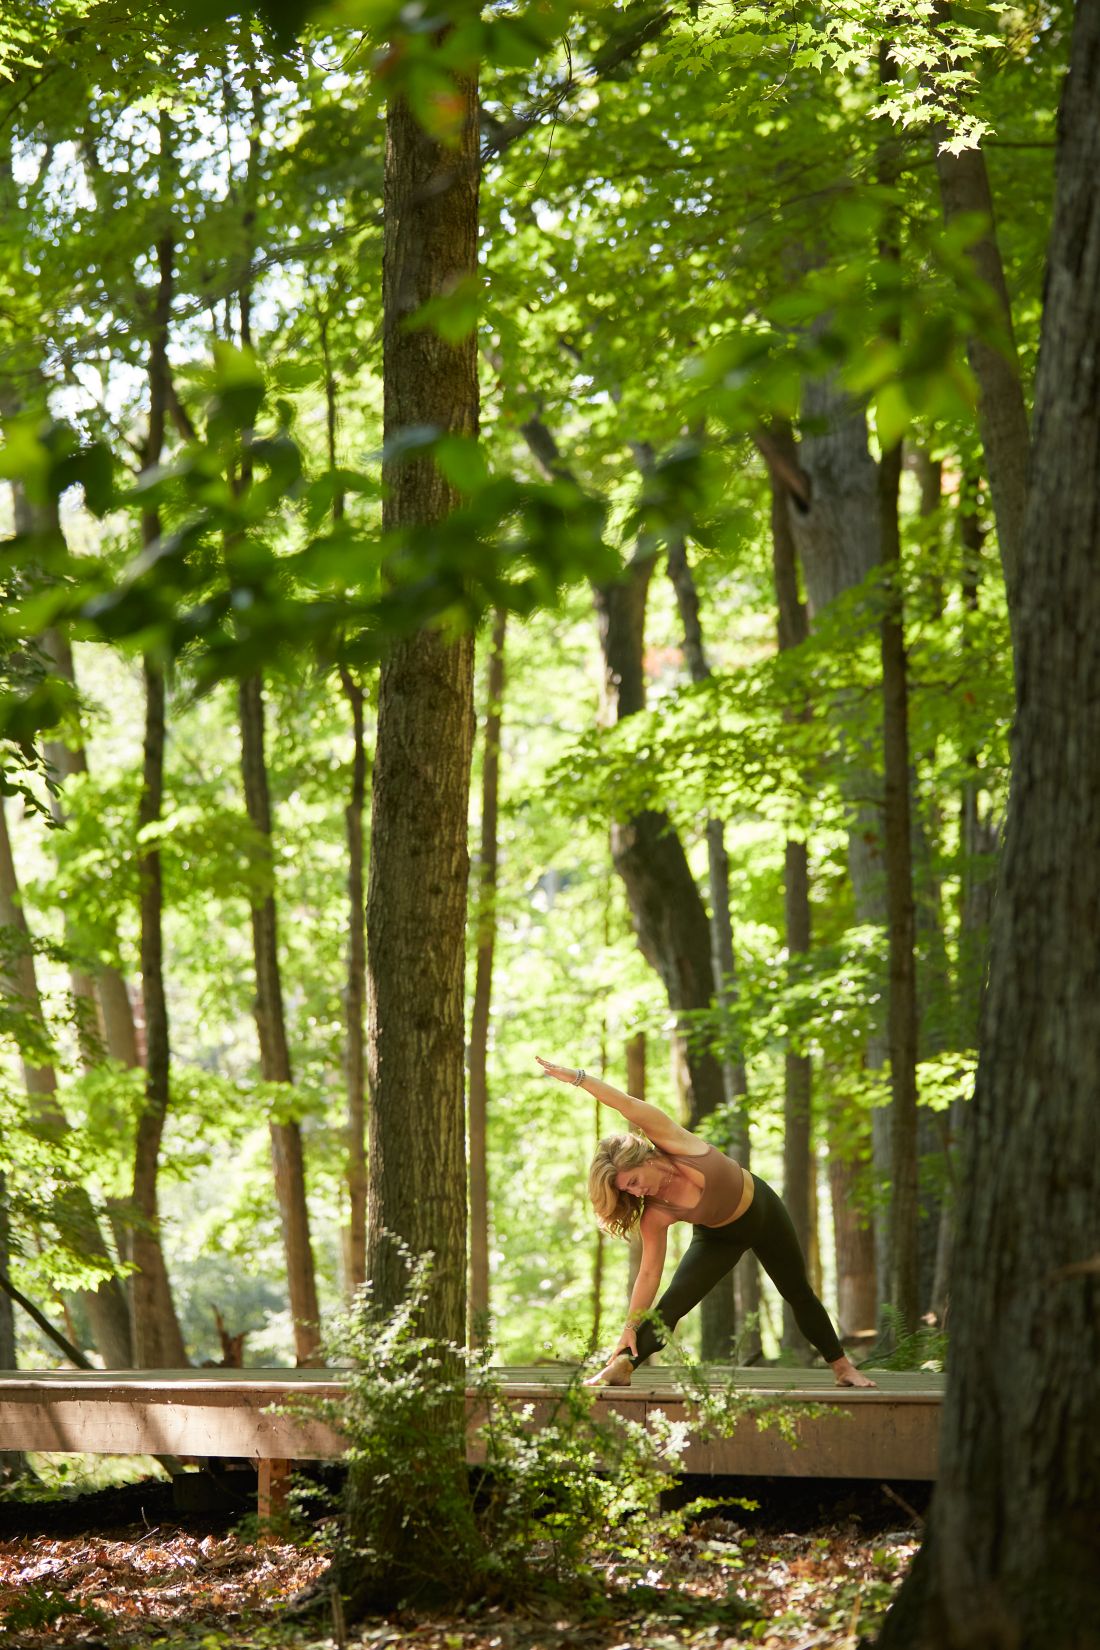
[288, 1160]
[853, 1247]
[157, 1341]
[793, 629]
[1002, 414]
[355, 1064]
[417, 888]
[105, 1305]
[1009, 1553]
[107, 989]
[486, 921]
[904, 1275]
[286, 1138]
[834, 517]
[13, 1463]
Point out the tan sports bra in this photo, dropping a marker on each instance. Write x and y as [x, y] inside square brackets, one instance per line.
[723, 1186]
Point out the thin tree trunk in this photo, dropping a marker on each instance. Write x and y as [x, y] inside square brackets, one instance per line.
[485, 930]
[1002, 413]
[853, 1244]
[157, 1340]
[1009, 1556]
[355, 1066]
[107, 988]
[105, 1305]
[635, 1085]
[793, 629]
[978, 845]
[904, 1275]
[13, 1463]
[288, 1160]
[897, 836]
[286, 1138]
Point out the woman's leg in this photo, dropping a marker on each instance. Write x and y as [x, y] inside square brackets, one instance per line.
[711, 1253]
[780, 1254]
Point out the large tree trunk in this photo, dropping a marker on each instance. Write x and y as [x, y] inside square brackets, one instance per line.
[417, 888]
[108, 1316]
[1009, 1558]
[286, 1138]
[486, 920]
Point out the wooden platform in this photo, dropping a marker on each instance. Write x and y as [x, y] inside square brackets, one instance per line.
[889, 1433]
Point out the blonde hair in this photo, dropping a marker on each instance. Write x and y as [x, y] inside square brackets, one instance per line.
[617, 1212]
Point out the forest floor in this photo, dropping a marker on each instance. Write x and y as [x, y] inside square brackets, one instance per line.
[723, 1582]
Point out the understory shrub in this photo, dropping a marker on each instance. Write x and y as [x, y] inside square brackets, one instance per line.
[547, 1494]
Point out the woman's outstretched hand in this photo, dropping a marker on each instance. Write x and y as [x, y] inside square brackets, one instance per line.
[564, 1074]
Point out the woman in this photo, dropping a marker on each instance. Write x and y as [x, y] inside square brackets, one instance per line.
[672, 1175]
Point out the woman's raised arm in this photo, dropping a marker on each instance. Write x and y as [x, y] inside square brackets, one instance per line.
[655, 1124]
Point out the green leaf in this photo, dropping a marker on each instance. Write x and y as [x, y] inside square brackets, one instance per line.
[453, 315]
[462, 461]
[239, 386]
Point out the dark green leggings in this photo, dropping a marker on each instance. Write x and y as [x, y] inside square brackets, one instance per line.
[767, 1229]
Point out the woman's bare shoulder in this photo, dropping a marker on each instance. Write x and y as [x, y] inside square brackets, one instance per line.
[655, 1221]
[673, 1137]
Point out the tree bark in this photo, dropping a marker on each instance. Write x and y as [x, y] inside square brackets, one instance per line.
[798, 1168]
[286, 1138]
[904, 1274]
[1002, 413]
[419, 866]
[834, 517]
[853, 1247]
[105, 1305]
[107, 989]
[157, 1341]
[355, 1000]
[1009, 1554]
[486, 927]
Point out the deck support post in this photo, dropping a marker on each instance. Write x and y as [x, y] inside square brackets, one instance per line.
[272, 1490]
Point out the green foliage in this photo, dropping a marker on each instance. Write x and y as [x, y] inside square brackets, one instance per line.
[545, 1499]
[922, 1348]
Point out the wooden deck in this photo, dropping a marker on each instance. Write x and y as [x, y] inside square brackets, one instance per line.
[890, 1433]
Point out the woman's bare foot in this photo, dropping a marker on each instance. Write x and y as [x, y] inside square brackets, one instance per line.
[848, 1375]
[615, 1373]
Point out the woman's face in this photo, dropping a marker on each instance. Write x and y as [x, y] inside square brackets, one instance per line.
[645, 1180]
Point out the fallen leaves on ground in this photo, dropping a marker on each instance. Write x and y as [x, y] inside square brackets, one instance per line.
[715, 1587]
